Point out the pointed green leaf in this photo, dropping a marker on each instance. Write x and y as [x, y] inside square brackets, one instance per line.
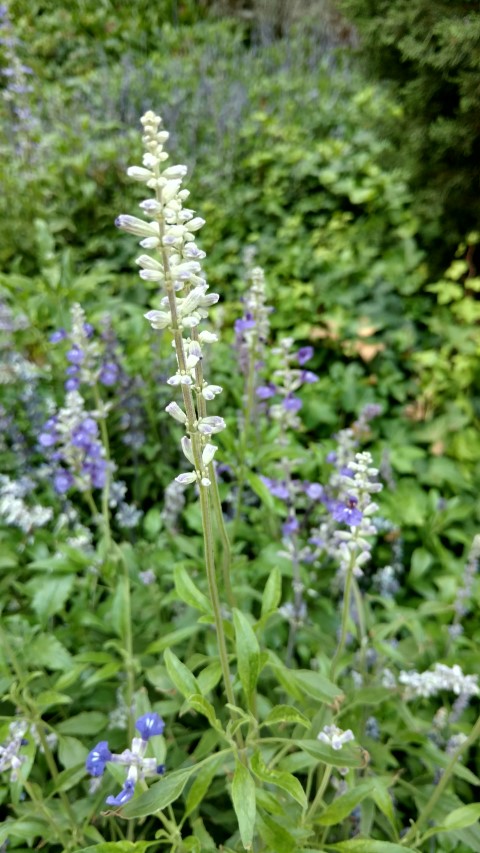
[180, 675]
[342, 806]
[188, 592]
[243, 798]
[316, 685]
[366, 845]
[201, 784]
[272, 592]
[280, 778]
[203, 706]
[462, 817]
[160, 795]
[248, 653]
[286, 714]
[347, 756]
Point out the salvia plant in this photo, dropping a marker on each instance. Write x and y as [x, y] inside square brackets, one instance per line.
[236, 670]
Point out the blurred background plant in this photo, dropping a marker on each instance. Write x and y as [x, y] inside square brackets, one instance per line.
[342, 178]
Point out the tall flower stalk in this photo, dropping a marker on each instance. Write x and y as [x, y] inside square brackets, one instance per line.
[169, 233]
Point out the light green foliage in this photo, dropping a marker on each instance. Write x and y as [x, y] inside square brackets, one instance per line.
[289, 156]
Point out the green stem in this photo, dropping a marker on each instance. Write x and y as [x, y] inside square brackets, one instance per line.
[444, 780]
[106, 488]
[54, 773]
[345, 618]
[63, 839]
[213, 589]
[248, 412]
[226, 549]
[327, 772]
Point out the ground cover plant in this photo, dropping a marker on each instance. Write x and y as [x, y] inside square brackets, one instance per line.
[239, 530]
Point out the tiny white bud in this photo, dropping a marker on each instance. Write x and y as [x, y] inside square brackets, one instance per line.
[208, 453]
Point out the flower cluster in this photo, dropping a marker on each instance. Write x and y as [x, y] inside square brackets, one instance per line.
[252, 330]
[15, 511]
[286, 381]
[176, 268]
[430, 683]
[16, 89]
[139, 767]
[71, 439]
[10, 758]
[335, 737]
[464, 593]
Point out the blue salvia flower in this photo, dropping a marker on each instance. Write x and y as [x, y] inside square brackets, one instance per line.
[139, 767]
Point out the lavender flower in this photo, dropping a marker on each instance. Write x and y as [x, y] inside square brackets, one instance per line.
[464, 592]
[139, 767]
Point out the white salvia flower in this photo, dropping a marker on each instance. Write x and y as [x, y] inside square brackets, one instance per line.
[211, 391]
[137, 226]
[180, 379]
[186, 479]
[187, 449]
[430, 683]
[176, 412]
[152, 275]
[206, 337]
[139, 174]
[211, 425]
[159, 319]
[335, 737]
[208, 453]
[148, 263]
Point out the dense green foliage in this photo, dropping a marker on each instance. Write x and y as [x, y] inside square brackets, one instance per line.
[285, 141]
[430, 50]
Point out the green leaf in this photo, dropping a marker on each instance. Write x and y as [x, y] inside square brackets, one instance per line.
[201, 784]
[243, 798]
[50, 594]
[366, 845]
[280, 778]
[86, 723]
[461, 818]
[180, 675]
[119, 612]
[160, 795]
[118, 847]
[383, 801]
[342, 806]
[272, 592]
[347, 756]
[276, 837]
[286, 714]
[248, 653]
[203, 706]
[46, 651]
[189, 593]
[315, 685]
[258, 486]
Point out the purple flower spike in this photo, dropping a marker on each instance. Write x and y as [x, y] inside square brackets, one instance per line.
[62, 481]
[244, 324]
[309, 377]
[57, 336]
[264, 392]
[290, 526]
[149, 725]
[347, 513]
[314, 491]
[97, 759]
[72, 384]
[75, 355]
[124, 796]
[304, 354]
[292, 404]
[109, 373]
